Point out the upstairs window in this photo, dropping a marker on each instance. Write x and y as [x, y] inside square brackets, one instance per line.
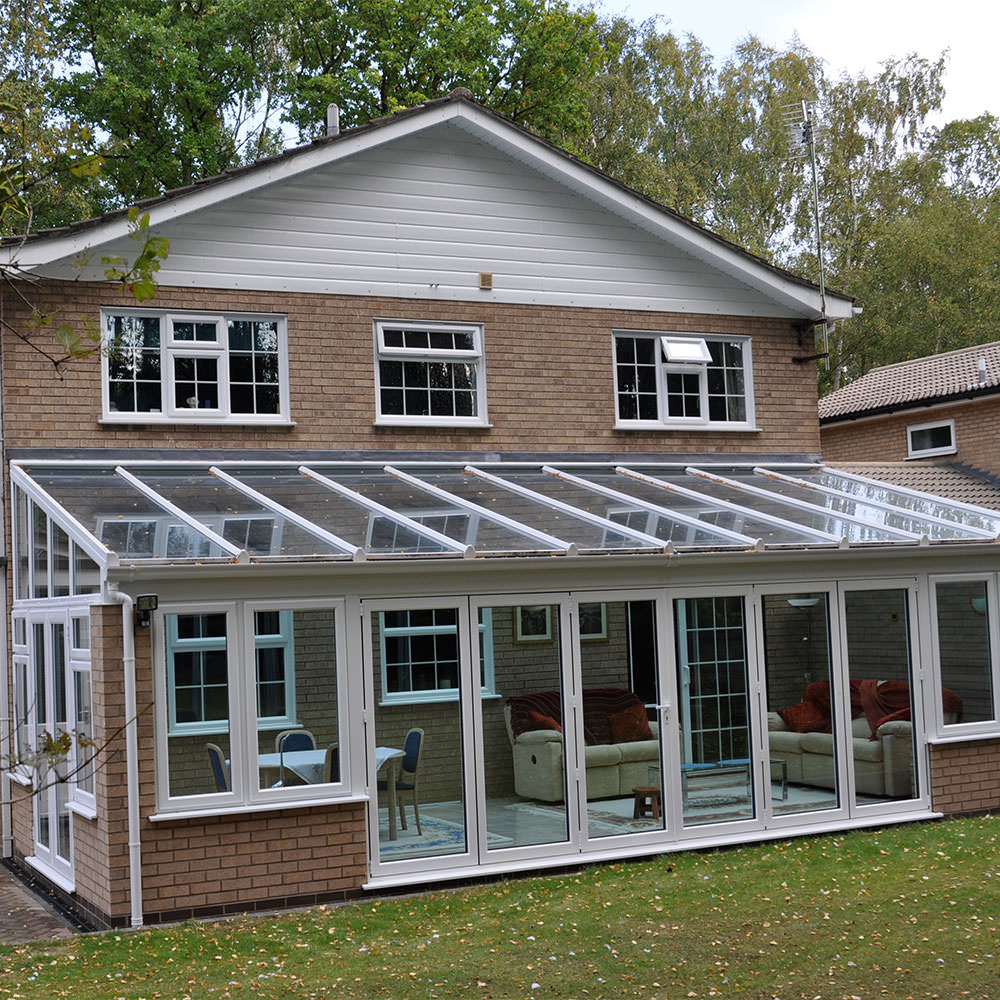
[430, 374]
[925, 440]
[163, 366]
[675, 380]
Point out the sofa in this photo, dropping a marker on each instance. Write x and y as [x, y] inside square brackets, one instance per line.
[881, 737]
[620, 744]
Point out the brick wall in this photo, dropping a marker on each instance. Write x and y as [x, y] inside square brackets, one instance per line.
[965, 777]
[884, 439]
[549, 371]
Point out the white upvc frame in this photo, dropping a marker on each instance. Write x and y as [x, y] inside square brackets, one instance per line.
[685, 367]
[171, 349]
[475, 357]
[911, 429]
[940, 731]
[245, 793]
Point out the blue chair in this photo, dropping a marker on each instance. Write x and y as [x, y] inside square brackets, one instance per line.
[220, 769]
[294, 739]
[409, 766]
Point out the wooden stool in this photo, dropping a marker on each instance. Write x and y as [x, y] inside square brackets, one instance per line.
[647, 802]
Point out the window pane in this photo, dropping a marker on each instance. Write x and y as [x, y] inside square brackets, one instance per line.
[964, 649]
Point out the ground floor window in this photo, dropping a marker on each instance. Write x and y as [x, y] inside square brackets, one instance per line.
[254, 705]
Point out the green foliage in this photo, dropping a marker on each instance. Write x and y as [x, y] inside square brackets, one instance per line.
[138, 276]
[527, 59]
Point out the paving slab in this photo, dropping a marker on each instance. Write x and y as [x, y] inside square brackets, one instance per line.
[26, 916]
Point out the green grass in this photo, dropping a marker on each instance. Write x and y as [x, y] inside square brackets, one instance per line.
[908, 911]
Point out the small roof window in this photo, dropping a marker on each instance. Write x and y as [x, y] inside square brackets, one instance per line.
[686, 350]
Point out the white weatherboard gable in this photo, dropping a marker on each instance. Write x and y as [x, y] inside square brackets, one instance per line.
[408, 212]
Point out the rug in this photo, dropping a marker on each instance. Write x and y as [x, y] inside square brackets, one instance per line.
[439, 837]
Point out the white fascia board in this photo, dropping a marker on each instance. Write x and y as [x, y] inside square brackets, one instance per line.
[34, 255]
[493, 131]
[622, 202]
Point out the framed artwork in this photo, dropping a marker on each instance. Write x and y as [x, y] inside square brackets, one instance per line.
[593, 622]
[533, 623]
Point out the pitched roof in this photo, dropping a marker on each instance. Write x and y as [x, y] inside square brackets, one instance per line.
[459, 106]
[936, 378]
[946, 479]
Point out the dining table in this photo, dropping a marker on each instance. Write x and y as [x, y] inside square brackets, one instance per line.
[391, 756]
[306, 764]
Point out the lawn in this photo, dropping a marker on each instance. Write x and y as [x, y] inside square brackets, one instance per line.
[908, 911]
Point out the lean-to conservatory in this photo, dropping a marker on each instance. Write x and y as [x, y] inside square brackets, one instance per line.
[344, 676]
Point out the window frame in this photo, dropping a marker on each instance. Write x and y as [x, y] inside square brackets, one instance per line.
[476, 357]
[173, 348]
[694, 367]
[243, 725]
[912, 452]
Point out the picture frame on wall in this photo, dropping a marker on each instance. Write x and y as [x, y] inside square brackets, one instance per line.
[593, 622]
[533, 623]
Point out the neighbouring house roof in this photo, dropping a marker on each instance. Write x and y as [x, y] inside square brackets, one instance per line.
[945, 479]
[458, 110]
[143, 513]
[937, 378]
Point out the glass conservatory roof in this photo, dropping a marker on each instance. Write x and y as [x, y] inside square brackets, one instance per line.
[143, 511]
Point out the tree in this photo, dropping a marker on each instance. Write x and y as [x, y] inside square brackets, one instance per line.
[527, 59]
[177, 90]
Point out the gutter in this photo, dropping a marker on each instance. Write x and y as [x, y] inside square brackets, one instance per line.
[131, 753]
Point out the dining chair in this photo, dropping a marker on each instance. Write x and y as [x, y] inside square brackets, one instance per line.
[220, 769]
[294, 739]
[409, 766]
[331, 764]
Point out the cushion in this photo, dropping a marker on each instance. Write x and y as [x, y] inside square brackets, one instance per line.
[630, 725]
[538, 721]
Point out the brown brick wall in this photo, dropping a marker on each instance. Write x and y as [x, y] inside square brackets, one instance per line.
[549, 372]
[884, 439]
[965, 777]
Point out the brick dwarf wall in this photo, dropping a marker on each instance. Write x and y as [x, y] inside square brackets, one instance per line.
[549, 372]
[884, 439]
[965, 777]
[196, 866]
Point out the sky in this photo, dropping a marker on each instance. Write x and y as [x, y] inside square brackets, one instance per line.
[853, 35]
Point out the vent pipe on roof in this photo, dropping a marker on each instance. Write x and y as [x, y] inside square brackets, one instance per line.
[982, 371]
[332, 120]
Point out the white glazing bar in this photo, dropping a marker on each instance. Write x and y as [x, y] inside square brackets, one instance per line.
[799, 504]
[959, 505]
[586, 516]
[778, 522]
[240, 555]
[76, 531]
[892, 508]
[304, 523]
[373, 505]
[473, 508]
[686, 519]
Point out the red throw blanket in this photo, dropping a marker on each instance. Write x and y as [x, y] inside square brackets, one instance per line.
[883, 702]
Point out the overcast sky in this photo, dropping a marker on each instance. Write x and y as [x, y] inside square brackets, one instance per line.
[854, 35]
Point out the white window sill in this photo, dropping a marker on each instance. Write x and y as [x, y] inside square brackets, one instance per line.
[24, 780]
[629, 425]
[144, 419]
[66, 884]
[931, 453]
[179, 815]
[431, 422]
[429, 697]
[83, 810]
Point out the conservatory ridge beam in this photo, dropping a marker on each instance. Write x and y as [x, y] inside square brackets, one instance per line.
[78, 534]
[780, 522]
[892, 508]
[652, 508]
[810, 508]
[305, 524]
[239, 555]
[464, 550]
[581, 515]
[474, 508]
[961, 505]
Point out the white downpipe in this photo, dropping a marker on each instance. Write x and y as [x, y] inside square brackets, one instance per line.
[131, 754]
[6, 732]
